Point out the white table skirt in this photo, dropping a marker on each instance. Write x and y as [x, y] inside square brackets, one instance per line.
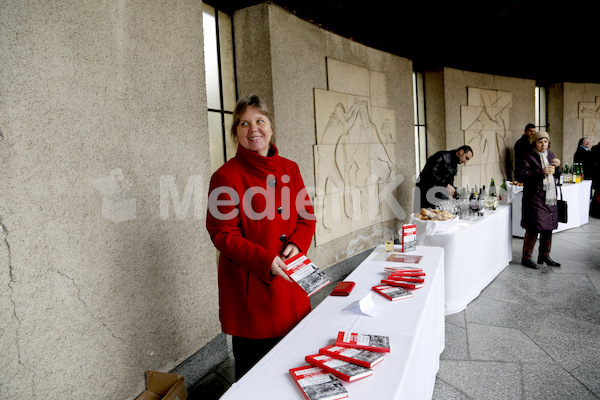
[415, 327]
[475, 253]
[577, 196]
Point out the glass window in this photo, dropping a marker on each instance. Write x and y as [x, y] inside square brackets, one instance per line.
[541, 121]
[420, 128]
[221, 90]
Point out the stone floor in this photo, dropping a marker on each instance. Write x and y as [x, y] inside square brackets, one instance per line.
[531, 334]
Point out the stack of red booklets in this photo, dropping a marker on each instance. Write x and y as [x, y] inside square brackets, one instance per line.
[405, 277]
[352, 357]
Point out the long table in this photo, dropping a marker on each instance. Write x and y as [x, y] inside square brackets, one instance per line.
[415, 327]
[476, 251]
[577, 196]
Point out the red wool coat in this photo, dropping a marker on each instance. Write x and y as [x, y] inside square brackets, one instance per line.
[252, 216]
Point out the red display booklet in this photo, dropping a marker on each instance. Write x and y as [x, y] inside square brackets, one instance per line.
[409, 237]
[392, 293]
[366, 358]
[316, 384]
[376, 343]
[412, 270]
[407, 278]
[404, 258]
[342, 369]
[306, 274]
[403, 284]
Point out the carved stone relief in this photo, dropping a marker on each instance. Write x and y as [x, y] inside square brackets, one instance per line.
[354, 152]
[485, 121]
[590, 114]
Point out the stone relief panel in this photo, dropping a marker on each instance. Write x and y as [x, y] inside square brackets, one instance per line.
[354, 154]
[485, 121]
[590, 114]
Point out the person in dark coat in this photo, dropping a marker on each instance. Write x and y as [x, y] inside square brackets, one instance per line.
[595, 165]
[540, 172]
[583, 156]
[438, 174]
[522, 146]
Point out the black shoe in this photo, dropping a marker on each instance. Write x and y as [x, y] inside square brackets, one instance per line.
[528, 262]
[550, 262]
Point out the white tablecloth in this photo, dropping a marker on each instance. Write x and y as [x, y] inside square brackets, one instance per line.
[415, 327]
[475, 253]
[577, 196]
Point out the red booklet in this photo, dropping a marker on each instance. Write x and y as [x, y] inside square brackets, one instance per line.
[407, 278]
[306, 274]
[316, 384]
[411, 270]
[404, 258]
[376, 343]
[366, 358]
[392, 293]
[409, 237]
[407, 273]
[403, 284]
[342, 369]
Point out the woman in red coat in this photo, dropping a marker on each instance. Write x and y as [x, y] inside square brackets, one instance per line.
[258, 216]
[539, 174]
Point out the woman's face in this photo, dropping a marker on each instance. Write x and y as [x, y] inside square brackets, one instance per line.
[254, 131]
[541, 145]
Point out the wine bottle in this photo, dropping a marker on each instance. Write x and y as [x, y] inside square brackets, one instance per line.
[481, 200]
[503, 197]
[473, 204]
[492, 196]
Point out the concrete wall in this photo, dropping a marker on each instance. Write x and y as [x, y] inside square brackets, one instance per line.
[451, 85]
[284, 57]
[106, 267]
[89, 303]
[570, 128]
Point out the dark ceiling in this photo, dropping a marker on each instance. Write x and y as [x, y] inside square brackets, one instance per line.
[550, 42]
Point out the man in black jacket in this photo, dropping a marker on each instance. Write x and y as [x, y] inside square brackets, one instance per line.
[583, 156]
[436, 181]
[522, 146]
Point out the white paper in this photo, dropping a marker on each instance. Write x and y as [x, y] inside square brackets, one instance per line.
[364, 306]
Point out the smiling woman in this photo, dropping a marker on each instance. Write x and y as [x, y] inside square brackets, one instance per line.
[259, 215]
[253, 129]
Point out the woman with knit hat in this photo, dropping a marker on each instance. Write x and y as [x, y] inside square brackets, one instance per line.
[540, 172]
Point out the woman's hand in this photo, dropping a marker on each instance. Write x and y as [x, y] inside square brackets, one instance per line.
[278, 268]
[556, 162]
[549, 170]
[290, 251]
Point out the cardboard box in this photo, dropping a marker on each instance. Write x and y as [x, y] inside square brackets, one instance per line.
[164, 386]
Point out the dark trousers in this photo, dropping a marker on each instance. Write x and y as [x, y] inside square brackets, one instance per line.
[529, 243]
[248, 352]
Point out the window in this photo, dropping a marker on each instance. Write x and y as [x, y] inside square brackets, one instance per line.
[420, 129]
[541, 121]
[220, 82]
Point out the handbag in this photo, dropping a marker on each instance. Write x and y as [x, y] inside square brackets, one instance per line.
[563, 214]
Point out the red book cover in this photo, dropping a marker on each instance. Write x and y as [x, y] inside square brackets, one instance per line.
[409, 237]
[407, 278]
[407, 273]
[404, 258]
[306, 274]
[376, 343]
[392, 293]
[316, 384]
[403, 284]
[366, 358]
[412, 270]
[342, 369]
